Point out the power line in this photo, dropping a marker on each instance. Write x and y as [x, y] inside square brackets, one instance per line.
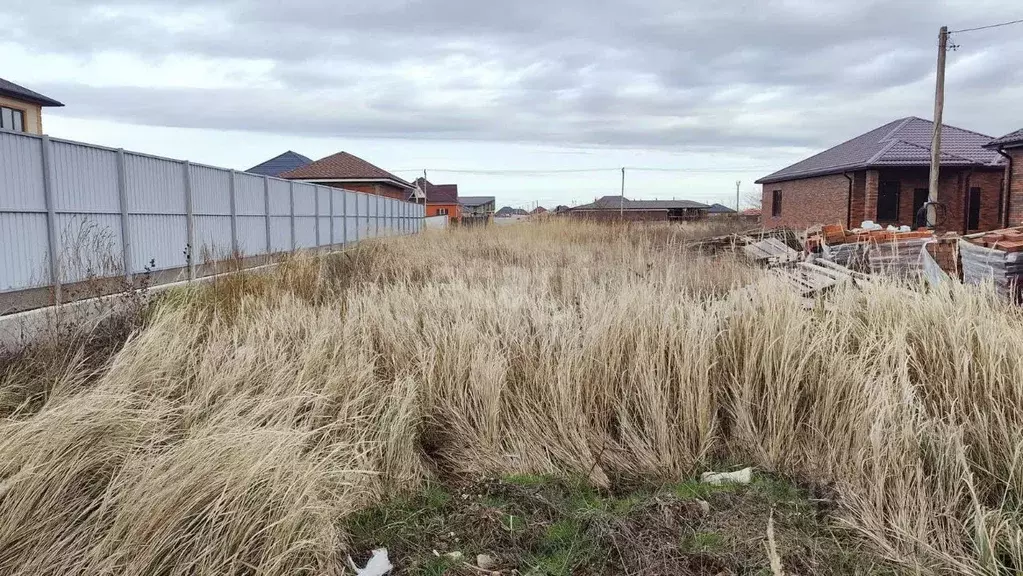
[999, 25]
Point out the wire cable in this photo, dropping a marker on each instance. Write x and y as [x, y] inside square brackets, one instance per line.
[999, 25]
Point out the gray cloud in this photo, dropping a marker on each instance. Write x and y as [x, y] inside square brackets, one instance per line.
[705, 74]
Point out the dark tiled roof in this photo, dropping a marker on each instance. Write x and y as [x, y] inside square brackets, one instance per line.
[509, 211]
[438, 193]
[720, 209]
[280, 164]
[12, 90]
[343, 166]
[1010, 140]
[617, 202]
[475, 200]
[905, 142]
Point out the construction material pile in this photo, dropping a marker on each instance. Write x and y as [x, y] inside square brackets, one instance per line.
[892, 251]
[995, 256]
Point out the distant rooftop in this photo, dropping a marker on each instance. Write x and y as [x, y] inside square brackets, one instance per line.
[473, 201]
[617, 202]
[12, 90]
[720, 209]
[280, 164]
[344, 167]
[904, 142]
[438, 193]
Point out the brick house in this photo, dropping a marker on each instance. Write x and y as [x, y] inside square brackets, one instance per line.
[1010, 147]
[440, 199]
[618, 208]
[21, 109]
[344, 170]
[883, 176]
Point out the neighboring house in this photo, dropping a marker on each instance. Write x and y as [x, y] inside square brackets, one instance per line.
[440, 199]
[280, 164]
[508, 212]
[343, 170]
[883, 176]
[1010, 146]
[538, 211]
[619, 208]
[718, 210]
[21, 109]
[478, 209]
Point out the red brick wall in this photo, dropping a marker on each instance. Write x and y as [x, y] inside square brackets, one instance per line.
[1016, 187]
[378, 189]
[807, 202]
[824, 200]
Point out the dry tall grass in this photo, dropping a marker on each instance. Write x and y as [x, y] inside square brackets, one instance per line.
[235, 432]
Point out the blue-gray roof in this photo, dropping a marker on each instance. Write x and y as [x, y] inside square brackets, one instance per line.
[12, 90]
[280, 164]
[905, 142]
[720, 209]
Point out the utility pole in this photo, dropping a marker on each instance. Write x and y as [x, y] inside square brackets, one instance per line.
[737, 184]
[939, 106]
[621, 199]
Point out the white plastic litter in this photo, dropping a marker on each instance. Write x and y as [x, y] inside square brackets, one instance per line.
[743, 476]
[891, 228]
[905, 228]
[378, 564]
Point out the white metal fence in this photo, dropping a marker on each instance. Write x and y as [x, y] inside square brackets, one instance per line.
[70, 211]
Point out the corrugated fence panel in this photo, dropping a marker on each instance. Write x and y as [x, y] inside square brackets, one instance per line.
[324, 231]
[88, 246]
[211, 192]
[21, 173]
[371, 216]
[338, 219]
[155, 186]
[305, 231]
[280, 197]
[249, 195]
[280, 233]
[323, 195]
[23, 259]
[212, 238]
[305, 199]
[252, 235]
[158, 240]
[84, 178]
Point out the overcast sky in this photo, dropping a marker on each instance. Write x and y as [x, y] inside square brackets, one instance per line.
[725, 90]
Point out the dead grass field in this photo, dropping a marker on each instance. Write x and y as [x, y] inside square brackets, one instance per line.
[266, 423]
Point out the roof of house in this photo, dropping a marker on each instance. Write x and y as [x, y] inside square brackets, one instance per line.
[280, 164]
[1010, 140]
[438, 193]
[904, 142]
[720, 209]
[12, 90]
[474, 201]
[344, 167]
[509, 211]
[539, 210]
[618, 202]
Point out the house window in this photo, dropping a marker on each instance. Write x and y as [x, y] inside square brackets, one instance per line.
[11, 119]
[442, 211]
[776, 203]
[973, 222]
[888, 202]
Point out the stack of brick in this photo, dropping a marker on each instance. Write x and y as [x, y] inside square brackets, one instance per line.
[945, 253]
[879, 251]
[996, 257]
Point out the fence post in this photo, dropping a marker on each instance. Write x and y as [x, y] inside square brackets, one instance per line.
[51, 219]
[331, 243]
[186, 168]
[316, 210]
[344, 217]
[291, 191]
[234, 219]
[266, 209]
[122, 198]
[358, 222]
